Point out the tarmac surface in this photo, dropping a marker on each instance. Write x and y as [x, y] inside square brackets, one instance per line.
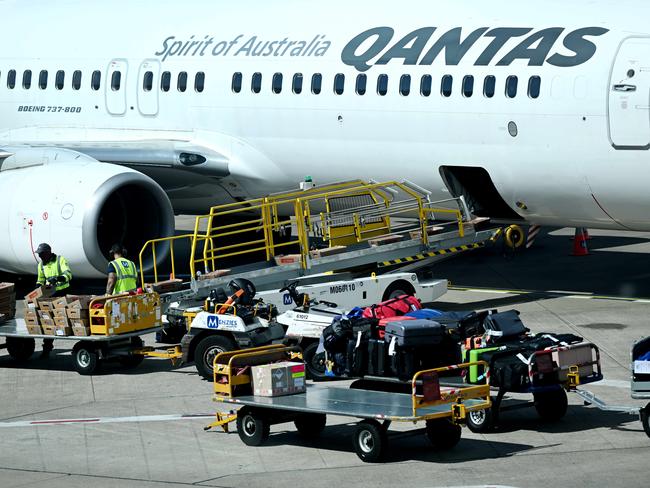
[144, 428]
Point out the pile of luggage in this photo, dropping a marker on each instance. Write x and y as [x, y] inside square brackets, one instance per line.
[398, 338]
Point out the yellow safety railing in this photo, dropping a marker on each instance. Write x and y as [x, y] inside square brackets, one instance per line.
[151, 246]
[344, 214]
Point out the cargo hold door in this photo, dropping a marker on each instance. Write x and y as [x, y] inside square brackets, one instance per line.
[629, 96]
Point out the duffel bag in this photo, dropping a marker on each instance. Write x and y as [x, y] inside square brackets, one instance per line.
[392, 308]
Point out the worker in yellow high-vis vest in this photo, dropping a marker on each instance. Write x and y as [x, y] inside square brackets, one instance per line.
[122, 273]
[53, 271]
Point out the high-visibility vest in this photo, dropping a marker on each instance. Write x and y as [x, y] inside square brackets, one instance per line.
[127, 275]
[56, 267]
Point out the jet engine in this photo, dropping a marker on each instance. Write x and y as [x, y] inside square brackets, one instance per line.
[79, 206]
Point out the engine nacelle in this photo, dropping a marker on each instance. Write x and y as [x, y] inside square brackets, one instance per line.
[79, 206]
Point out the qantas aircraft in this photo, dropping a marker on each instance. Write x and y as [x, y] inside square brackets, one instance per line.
[116, 115]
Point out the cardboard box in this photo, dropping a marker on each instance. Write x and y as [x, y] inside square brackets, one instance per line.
[61, 322]
[328, 251]
[7, 289]
[80, 329]
[77, 313]
[32, 318]
[44, 314]
[40, 292]
[287, 259]
[29, 305]
[284, 378]
[60, 312]
[46, 304]
[63, 331]
[48, 328]
[79, 301]
[167, 286]
[34, 329]
[60, 303]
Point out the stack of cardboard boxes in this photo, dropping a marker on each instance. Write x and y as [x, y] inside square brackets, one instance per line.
[64, 316]
[7, 301]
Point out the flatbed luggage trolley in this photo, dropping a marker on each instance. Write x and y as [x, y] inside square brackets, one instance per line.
[551, 373]
[116, 325]
[639, 386]
[442, 408]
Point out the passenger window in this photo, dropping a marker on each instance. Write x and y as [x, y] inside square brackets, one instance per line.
[166, 81]
[276, 84]
[256, 82]
[116, 80]
[59, 81]
[468, 86]
[511, 86]
[316, 83]
[27, 79]
[382, 85]
[42, 80]
[534, 86]
[236, 82]
[199, 82]
[11, 79]
[181, 85]
[147, 82]
[405, 85]
[362, 81]
[339, 83]
[446, 85]
[95, 81]
[489, 86]
[425, 86]
[297, 83]
[76, 80]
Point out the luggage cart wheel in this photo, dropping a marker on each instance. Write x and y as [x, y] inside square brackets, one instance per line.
[370, 440]
[480, 421]
[86, 358]
[252, 426]
[443, 433]
[310, 425]
[551, 405]
[20, 349]
[645, 412]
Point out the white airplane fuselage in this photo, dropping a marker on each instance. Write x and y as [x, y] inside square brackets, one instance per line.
[570, 149]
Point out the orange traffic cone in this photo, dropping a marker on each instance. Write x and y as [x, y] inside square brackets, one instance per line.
[580, 243]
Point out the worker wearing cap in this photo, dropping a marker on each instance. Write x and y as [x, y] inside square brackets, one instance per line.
[53, 271]
[122, 273]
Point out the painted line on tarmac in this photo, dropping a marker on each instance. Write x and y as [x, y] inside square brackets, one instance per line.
[625, 385]
[105, 420]
[552, 293]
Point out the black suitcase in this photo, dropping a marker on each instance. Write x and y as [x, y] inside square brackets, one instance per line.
[404, 363]
[414, 333]
[463, 324]
[377, 356]
[509, 371]
[504, 326]
[357, 358]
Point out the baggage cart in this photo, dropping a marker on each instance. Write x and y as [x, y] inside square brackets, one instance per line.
[639, 386]
[551, 373]
[443, 409]
[116, 326]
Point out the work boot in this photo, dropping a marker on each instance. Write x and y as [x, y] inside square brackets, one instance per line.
[48, 345]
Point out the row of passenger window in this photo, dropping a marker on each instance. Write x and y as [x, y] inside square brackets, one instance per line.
[96, 77]
[467, 85]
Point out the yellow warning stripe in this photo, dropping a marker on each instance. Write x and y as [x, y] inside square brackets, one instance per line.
[431, 254]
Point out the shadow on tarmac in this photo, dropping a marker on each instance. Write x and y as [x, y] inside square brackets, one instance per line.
[411, 445]
[61, 360]
[618, 265]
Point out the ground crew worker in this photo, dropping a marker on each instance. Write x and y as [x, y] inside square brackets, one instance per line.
[53, 271]
[122, 273]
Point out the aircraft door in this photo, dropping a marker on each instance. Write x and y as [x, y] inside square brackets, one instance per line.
[148, 83]
[116, 87]
[629, 96]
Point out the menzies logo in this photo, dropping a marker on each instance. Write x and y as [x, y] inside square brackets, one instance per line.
[214, 322]
[377, 47]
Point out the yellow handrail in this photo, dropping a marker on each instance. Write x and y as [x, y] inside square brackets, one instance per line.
[152, 244]
[368, 210]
